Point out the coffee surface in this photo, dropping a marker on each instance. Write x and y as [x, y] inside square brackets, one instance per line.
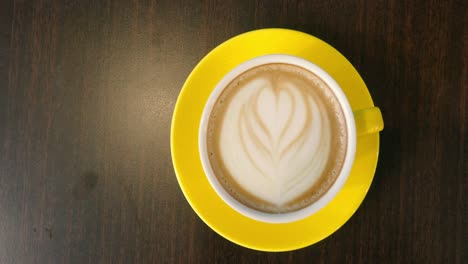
[277, 138]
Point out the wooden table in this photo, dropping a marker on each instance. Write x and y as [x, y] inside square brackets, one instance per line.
[87, 91]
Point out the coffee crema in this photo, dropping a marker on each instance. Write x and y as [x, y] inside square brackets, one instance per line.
[276, 138]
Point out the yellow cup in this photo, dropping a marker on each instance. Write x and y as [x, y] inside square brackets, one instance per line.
[360, 122]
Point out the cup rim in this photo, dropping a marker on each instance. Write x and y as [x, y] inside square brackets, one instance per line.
[351, 142]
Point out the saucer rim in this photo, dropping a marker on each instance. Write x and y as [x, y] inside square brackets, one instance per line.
[176, 163]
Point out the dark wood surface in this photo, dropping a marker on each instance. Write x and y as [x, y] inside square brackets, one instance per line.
[87, 91]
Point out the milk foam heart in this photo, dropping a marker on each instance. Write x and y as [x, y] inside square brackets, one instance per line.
[276, 138]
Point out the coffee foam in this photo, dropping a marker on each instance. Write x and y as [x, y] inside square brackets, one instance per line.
[277, 138]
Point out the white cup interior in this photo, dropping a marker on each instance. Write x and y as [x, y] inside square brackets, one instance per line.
[351, 142]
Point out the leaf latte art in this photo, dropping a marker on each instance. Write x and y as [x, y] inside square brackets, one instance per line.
[276, 138]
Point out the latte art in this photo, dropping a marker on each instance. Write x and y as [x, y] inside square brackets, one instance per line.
[276, 138]
[284, 139]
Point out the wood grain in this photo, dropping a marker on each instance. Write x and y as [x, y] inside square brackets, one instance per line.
[87, 90]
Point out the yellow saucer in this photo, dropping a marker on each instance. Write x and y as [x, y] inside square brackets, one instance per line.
[184, 142]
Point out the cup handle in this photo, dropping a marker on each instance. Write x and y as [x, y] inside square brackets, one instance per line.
[368, 121]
